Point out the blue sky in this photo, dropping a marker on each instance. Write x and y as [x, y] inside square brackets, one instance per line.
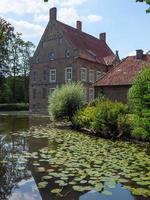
[124, 21]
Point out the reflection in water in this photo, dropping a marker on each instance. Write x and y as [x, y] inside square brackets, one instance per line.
[18, 177]
[12, 170]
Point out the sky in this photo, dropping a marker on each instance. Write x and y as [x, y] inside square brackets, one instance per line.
[125, 22]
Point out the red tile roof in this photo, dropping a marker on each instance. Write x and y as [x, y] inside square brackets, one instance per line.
[124, 73]
[90, 48]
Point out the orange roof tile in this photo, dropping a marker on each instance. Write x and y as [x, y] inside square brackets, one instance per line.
[90, 48]
[124, 73]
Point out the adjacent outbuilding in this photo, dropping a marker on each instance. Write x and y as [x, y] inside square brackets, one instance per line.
[116, 83]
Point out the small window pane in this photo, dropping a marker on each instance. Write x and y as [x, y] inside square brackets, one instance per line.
[53, 75]
[83, 74]
[91, 76]
[68, 74]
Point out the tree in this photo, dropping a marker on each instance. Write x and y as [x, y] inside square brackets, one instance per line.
[14, 64]
[27, 52]
[65, 101]
[139, 93]
[147, 2]
[5, 29]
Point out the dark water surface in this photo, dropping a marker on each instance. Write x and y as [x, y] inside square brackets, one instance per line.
[19, 176]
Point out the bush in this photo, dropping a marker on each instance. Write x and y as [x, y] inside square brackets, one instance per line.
[139, 103]
[83, 118]
[140, 127]
[106, 118]
[65, 101]
[139, 93]
[14, 107]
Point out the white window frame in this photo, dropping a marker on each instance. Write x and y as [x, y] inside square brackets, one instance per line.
[91, 97]
[99, 75]
[66, 73]
[83, 74]
[50, 76]
[51, 90]
[91, 80]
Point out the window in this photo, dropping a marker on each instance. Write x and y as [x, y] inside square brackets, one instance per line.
[68, 74]
[51, 55]
[52, 75]
[44, 93]
[44, 75]
[91, 76]
[51, 90]
[83, 74]
[34, 76]
[91, 94]
[67, 53]
[98, 75]
[34, 93]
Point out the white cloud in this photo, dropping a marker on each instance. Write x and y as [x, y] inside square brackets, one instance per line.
[40, 18]
[68, 15]
[26, 6]
[94, 18]
[28, 29]
[71, 3]
[27, 16]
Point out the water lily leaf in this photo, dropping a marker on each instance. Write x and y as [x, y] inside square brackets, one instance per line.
[106, 192]
[42, 184]
[56, 191]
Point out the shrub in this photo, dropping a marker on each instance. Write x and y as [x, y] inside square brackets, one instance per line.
[140, 124]
[65, 101]
[83, 118]
[106, 117]
[139, 93]
[139, 103]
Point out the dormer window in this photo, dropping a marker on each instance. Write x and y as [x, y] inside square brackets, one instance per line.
[67, 53]
[51, 55]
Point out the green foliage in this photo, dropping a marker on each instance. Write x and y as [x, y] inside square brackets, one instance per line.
[65, 101]
[147, 2]
[139, 103]
[14, 64]
[14, 107]
[139, 93]
[106, 118]
[84, 117]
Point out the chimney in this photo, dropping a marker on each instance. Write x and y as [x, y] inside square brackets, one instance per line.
[53, 14]
[117, 53]
[102, 36]
[79, 25]
[139, 54]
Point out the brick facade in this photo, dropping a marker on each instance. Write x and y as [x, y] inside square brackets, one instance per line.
[59, 50]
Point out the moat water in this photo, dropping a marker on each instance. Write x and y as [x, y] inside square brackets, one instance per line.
[39, 161]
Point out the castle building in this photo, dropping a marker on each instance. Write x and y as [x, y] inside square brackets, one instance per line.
[67, 54]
